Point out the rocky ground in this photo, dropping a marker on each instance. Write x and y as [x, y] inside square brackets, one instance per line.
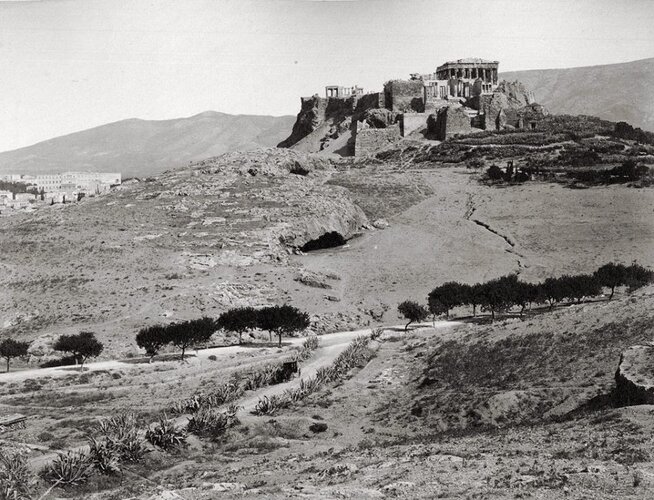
[520, 408]
[228, 231]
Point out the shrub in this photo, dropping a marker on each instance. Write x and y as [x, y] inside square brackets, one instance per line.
[166, 434]
[494, 173]
[412, 311]
[70, 469]
[15, 477]
[82, 346]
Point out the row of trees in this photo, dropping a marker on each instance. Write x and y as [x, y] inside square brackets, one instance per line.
[502, 294]
[81, 347]
[280, 320]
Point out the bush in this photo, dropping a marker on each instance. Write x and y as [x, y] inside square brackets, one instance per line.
[166, 434]
[269, 405]
[412, 311]
[70, 469]
[494, 173]
[15, 477]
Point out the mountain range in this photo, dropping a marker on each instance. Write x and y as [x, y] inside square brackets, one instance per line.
[134, 147]
[146, 147]
[616, 92]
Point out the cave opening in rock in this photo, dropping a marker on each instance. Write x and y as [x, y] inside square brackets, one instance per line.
[328, 240]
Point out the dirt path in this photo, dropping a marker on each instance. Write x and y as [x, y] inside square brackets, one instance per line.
[331, 345]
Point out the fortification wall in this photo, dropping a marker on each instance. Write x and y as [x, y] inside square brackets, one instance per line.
[405, 96]
[370, 140]
[448, 121]
[412, 122]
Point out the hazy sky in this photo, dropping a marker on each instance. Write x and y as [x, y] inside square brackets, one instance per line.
[67, 65]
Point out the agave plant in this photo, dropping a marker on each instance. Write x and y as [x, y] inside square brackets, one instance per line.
[103, 455]
[269, 405]
[70, 468]
[15, 477]
[166, 434]
[122, 433]
[209, 422]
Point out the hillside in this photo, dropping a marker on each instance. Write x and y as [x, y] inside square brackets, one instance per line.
[616, 92]
[145, 147]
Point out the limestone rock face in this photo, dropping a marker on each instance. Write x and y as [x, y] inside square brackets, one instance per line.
[635, 376]
[337, 216]
[311, 116]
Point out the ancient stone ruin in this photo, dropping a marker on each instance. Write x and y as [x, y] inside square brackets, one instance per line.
[459, 97]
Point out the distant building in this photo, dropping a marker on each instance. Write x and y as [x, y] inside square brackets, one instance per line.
[70, 182]
[338, 91]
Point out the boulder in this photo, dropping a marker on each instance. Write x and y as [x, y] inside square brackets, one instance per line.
[381, 224]
[635, 376]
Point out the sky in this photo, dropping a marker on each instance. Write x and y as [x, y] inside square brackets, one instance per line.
[68, 65]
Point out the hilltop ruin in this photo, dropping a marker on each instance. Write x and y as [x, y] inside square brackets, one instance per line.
[459, 97]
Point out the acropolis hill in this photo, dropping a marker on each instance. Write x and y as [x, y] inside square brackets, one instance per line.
[459, 97]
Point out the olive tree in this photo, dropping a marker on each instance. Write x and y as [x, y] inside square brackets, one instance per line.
[282, 320]
[412, 311]
[10, 348]
[190, 333]
[81, 346]
[152, 339]
[238, 320]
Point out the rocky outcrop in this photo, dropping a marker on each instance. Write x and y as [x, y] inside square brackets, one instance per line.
[335, 220]
[635, 376]
[323, 119]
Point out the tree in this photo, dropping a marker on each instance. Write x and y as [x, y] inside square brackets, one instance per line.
[82, 346]
[498, 295]
[638, 276]
[583, 285]
[435, 307]
[450, 294]
[412, 311]
[10, 348]
[190, 333]
[554, 291]
[152, 339]
[238, 320]
[611, 275]
[474, 297]
[282, 320]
